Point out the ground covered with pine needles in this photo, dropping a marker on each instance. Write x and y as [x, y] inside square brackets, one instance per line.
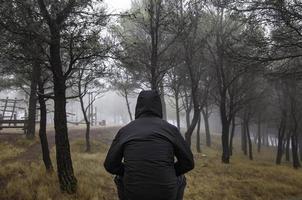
[243, 179]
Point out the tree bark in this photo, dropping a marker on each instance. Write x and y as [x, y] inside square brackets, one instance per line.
[249, 140]
[87, 122]
[287, 153]
[225, 131]
[232, 135]
[31, 125]
[194, 86]
[163, 102]
[68, 181]
[188, 112]
[42, 130]
[294, 140]
[300, 146]
[243, 137]
[198, 135]
[259, 135]
[192, 126]
[128, 105]
[281, 133]
[205, 115]
[177, 111]
[188, 108]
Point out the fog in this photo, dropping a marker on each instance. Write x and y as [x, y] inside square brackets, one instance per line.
[109, 106]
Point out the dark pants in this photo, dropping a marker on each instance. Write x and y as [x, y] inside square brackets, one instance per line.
[181, 182]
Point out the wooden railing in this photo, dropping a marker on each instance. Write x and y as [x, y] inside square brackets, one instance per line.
[14, 124]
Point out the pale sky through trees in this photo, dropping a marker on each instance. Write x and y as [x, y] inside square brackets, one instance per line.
[118, 5]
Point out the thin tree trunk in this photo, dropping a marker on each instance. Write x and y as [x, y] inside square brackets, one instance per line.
[281, 133]
[42, 130]
[163, 102]
[243, 137]
[128, 105]
[198, 135]
[249, 141]
[87, 122]
[300, 146]
[205, 115]
[225, 143]
[196, 110]
[188, 108]
[192, 126]
[287, 153]
[225, 132]
[188, 118]
[177, 111]
[259, 135]
[296, 162]
[232, 135]
[87, 137]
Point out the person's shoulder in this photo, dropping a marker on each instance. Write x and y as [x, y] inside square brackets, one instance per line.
[127, 126]
[169, 125]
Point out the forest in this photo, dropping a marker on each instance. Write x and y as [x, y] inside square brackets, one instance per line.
[228, 73]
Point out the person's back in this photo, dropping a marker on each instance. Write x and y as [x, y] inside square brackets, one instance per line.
[148, 146]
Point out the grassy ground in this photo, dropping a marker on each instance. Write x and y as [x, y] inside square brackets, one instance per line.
[240, 180]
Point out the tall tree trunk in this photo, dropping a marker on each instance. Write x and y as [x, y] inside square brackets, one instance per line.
[87, 137]
[259, 135]
[232, 135]
[225, 131]
[198, 135]
[196, 108]
[192, 126]
[177, 111]
[188, 118]
[225, 142]
[163, 102]
[281, 133]
[300, 146]
[128, 105]
[154, 31]
[188, 108]
[68, 181]
[294, 139]
[205, 115]
[287, 153]
[42, 130]
[31, 125]
[243, 137]
[87, 121]
[249, 140]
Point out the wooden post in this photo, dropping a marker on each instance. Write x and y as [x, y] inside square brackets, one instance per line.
[13, 109]
[4, 109]
[1, 118]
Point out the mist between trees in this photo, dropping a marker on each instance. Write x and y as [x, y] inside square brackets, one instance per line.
[239, 60]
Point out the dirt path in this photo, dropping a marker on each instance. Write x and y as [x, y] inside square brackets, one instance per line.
[33, 152]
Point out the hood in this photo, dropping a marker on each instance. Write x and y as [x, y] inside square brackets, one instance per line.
[148, 104]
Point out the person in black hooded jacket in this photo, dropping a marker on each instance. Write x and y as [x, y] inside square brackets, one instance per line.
[142, 155]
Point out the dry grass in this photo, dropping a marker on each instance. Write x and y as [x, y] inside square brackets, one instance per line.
[9, 151]
[210, 180]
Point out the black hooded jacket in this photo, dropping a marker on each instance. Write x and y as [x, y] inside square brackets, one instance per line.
[143, 153]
